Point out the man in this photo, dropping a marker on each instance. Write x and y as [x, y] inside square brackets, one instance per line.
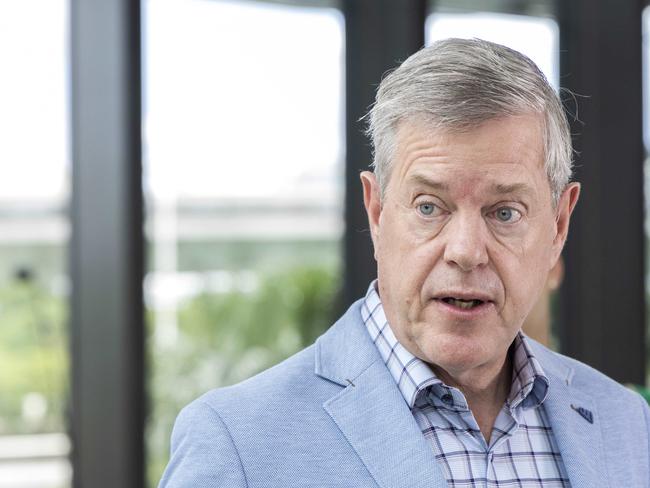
[427, 381]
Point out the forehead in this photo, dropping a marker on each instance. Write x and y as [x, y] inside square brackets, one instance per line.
[503, 153]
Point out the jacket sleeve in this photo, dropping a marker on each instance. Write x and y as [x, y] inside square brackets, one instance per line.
[646, 412]
[203, 454]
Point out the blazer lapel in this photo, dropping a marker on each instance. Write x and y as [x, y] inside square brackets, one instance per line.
[370, 411]
[569, 411]
[377, 422]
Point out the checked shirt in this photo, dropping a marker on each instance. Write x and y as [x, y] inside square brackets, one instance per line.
[522, 451]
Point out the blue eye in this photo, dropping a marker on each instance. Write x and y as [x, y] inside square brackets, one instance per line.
[426, 208]
[507, 214]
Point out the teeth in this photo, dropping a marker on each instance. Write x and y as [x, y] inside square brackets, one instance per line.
[464, 304]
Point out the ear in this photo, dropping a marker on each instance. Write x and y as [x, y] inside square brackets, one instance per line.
[565, 207]
[372, 202]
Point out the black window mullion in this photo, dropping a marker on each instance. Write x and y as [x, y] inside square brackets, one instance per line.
[379, 34]
[107, 245]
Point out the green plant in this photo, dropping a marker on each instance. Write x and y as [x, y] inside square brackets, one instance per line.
[33, 358]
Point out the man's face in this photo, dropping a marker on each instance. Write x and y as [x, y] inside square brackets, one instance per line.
[464, 238]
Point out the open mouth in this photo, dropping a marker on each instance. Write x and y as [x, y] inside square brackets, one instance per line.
[462, 303]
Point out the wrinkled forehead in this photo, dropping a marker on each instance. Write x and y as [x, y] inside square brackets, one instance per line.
[512, 138]
[534, 126]
[498, 153]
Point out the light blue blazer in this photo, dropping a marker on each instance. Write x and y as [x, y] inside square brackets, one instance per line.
[332, 416]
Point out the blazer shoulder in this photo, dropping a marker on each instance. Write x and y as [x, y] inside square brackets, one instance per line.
[211, 436]
[203, 452]
[583, 377]
[291, 383]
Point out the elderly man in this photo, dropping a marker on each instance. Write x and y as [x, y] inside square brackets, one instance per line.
[428, 381]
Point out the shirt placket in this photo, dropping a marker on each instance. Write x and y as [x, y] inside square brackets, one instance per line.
[505, 428]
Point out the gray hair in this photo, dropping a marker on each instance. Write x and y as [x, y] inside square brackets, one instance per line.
[457, 84]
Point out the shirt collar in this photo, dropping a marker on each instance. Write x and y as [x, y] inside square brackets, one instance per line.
[415, 378]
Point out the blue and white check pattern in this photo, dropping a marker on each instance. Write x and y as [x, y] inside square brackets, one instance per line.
[522, 451]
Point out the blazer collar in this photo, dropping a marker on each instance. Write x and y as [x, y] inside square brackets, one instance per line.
[345, 350]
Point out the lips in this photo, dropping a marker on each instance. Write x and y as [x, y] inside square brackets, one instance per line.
[464, 300]
[460, 303]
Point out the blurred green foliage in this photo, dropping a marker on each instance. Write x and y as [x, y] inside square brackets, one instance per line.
[227, 337]
[222, 337]
[33, 358]
[264, 256]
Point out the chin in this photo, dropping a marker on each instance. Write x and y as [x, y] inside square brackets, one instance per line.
[454, 352]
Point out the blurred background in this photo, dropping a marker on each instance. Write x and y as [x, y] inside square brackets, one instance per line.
[180, 206]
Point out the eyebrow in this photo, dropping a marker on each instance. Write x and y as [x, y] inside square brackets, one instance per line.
[502, 189]
[424, 181]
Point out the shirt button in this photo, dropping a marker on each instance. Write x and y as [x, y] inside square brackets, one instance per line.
[447, 398]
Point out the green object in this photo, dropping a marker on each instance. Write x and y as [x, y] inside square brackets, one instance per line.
[643, 391]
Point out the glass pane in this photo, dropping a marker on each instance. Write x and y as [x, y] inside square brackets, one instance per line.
[34, 230]
[243, 125]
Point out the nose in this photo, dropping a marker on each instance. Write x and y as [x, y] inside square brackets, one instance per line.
[466, 242]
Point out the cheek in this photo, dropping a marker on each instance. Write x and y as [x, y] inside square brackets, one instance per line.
[403, 257]
[404, 262]
[523, 275]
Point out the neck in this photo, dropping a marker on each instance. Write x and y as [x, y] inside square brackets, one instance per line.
[486, 390]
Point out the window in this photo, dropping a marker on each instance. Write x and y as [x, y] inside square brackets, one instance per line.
[34, 231]
[243, 145]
